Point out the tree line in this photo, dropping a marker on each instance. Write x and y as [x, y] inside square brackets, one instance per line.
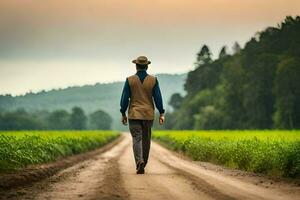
[256, 87]
[55, 120]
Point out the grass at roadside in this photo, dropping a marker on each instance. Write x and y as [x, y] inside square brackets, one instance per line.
[22, 148]
[276, 153]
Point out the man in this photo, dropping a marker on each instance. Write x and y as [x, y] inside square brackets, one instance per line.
[141, 89]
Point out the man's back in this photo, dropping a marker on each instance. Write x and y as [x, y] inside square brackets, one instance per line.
[141, 76]
[141, 102]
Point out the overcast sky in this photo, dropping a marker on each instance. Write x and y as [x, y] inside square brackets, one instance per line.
[48, 44]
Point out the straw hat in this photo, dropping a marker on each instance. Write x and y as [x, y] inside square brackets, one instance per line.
[142, 60]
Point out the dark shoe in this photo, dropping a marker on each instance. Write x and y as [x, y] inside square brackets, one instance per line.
[140, 168]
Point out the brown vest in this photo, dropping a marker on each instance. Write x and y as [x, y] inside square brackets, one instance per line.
[141, 103]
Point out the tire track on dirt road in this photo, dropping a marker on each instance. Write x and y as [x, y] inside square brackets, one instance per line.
[159, 182]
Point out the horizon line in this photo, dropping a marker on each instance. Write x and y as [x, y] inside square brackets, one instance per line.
[76, 86]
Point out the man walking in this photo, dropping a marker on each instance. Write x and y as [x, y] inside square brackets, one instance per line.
[141, 89]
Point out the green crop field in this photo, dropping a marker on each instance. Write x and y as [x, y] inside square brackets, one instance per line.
[276, 153]
[21, 148]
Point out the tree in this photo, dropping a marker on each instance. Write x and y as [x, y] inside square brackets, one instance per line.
[256, 88]
[209, 118]
[287, 93]
[19, 120]
[204, 56]
[236, 48]
[175, 101]
[1, 120]
[223, 53]
[204, 76]
[100, 120]
[196, 79]
[59, 120]
[78, 119]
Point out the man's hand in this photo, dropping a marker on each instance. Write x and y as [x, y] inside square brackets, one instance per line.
[161, 119]
[124, 120]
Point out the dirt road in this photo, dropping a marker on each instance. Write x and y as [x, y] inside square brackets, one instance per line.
[111, 175]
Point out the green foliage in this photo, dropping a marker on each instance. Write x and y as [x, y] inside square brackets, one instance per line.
[255, 88]
[20, 120]
[23, 148]
[56, 120]
[205, 74]
[236, 48]
[59, 120]
[287, 91]
[223, 53]
[100, 120]
[78, 119]
[176, 101]
[204, 56]
[90, 98]
[209, 117]
[275, 153]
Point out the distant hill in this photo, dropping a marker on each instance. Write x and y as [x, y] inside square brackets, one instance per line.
[88, 97]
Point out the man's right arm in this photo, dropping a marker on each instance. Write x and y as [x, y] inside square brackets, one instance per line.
[158, 98]
[159, 102]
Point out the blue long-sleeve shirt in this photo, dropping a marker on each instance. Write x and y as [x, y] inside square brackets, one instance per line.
[155, 93]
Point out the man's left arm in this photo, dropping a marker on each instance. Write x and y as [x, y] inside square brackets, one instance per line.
[125, 101]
